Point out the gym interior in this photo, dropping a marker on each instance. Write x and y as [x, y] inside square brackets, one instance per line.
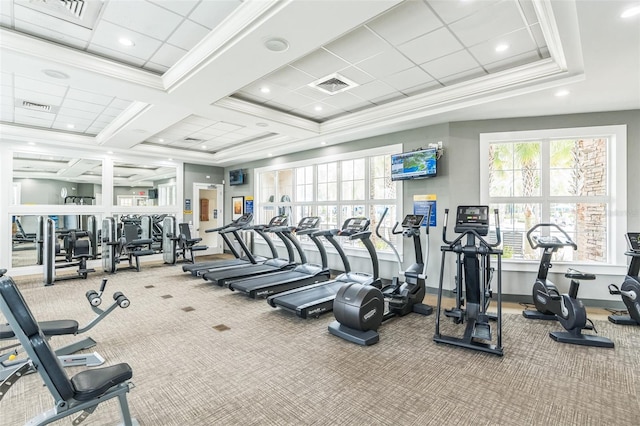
[304, 212]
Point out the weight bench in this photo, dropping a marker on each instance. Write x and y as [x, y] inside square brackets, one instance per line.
[188, 245]
[80, 393]
[9, 361]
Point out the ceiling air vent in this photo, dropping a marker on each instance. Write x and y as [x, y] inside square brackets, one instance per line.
[332, 84]
[36, 107]
[78, 12]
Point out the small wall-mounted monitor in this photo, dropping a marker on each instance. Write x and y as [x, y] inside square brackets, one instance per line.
[153, 193]
[414, 164]
[236, 177]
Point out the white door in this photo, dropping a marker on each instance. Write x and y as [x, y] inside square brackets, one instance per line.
[209, 218]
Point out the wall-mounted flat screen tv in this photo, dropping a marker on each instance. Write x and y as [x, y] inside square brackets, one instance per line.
[414, 164]
[236, 177]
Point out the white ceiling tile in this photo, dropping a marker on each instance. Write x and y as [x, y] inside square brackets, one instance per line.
[49, 22]
[63, 126]
[229, 127]
[292, 100]
[106, 36]
[186, 127]
[346, 101]
[388, 98]
[94, 130]
[254, 91]
[359, 44]
[387, 63]
[513, 61]
[39, 86]
[211, 132]
[422, 88]
[289, 78]
[31, 121]
[537, 35]
[142, 17]
[463, 76]
[431, 46]
[450, 64]
[490, 22]
[158, 69]
[86, 106]
[6, 101]
[211, 13]
[6, 114]
[116, 55]
[356, 75]
[407, 78]
[519, 42]
[120, 103]
[77, 122]
[199, 121]
[312, 93]
[529, 11]
[181, 7]
[94, 98]
[408, 20]
[373, 90]
[167, 55]
[320, 63]
[5, 20]
[451, 11]
[188, 34]
[49, 34]
[70, 112]
[37, 97]
[41, 115]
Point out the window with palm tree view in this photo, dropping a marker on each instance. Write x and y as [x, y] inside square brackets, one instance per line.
[554, 179]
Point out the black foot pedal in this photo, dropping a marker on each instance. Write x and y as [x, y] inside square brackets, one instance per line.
[482, 330]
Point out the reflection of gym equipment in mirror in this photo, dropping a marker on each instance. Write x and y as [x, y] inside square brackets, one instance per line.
[77, 251]
[566, 308]
[178, 244]
[630, 288]
[123, 242]
[68, 356]
[474, 274]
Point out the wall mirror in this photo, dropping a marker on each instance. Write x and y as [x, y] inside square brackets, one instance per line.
[136, 185]
[24, 235]
[47, 179]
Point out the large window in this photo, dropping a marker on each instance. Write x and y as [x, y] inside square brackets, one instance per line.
[574, 178]
[355, 184]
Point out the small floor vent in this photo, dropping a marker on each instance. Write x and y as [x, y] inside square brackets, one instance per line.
[332, 84]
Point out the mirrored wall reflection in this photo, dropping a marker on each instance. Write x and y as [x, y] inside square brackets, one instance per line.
[46, 179]
[136, 185]
[26, 239]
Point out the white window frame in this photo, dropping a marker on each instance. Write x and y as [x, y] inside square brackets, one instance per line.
[616, 181]
[366, 154]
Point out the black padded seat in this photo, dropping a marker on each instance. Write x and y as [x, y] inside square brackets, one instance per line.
[138, 253]
[90, 384]
[577, 275]
[48, 328]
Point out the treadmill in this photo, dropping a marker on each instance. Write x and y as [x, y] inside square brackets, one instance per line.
[232, 227]
[314, 300]
[302, 275]
[276, 264]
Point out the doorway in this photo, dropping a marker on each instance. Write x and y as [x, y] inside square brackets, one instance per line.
[207, 214]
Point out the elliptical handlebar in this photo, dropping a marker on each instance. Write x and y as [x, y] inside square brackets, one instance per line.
[483, 242]
[534, 241]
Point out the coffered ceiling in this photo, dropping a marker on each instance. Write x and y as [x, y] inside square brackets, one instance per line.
[227, 81]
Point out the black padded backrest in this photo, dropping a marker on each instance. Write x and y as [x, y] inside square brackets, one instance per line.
[184, 230]
[130, 232]
[46, 361]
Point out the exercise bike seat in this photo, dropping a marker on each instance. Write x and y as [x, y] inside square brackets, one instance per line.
[49, 328]
[574, 274]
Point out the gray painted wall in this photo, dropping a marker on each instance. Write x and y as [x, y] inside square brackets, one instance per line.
[194, 173]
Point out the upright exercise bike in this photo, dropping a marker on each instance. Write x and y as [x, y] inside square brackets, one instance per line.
[474, 274]
[630, 288]
[566, 308]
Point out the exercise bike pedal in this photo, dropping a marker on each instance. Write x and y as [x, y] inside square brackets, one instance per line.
[482, 331]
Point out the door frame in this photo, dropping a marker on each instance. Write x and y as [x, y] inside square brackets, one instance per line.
[197, 186]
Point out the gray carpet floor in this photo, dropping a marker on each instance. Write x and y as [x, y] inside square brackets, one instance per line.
[203, 355]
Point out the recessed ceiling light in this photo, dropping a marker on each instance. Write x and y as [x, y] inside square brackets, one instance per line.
[561, 93]
[70, 126]
[170, 159]
[269, 155]
[265, 90]
[318, 108]
[502, 47]
[160, 140]
[276, 44]
[109, 152]
[204, 147]
[126, 42]
[56, 74]
[261, 124]
[323, 143]
[32, 143]
[632, 11]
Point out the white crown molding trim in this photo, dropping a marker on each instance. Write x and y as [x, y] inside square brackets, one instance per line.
[20, 135]
[242, 21]
[268, 114]
[187, 156]
[248, 150]
[27, 45]
[126, 117]
[550, 31]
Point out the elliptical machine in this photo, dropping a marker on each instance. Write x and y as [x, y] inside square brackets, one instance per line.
[630, 288]
[360, 309]
[566, 308]
[474, 274]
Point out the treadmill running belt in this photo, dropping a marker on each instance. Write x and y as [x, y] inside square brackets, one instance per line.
[310, 296]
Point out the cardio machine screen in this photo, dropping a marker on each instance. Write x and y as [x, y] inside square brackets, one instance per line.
[412, 221]
[473, 214]
[633, 238]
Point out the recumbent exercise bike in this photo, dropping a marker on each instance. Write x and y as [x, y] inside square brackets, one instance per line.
[630, 288]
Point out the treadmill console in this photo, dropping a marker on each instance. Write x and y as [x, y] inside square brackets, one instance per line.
[633, 239]
[474, 218]
[310, 222]
[280, 220]
[354, 225]
[243, 220]
[412, 221]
